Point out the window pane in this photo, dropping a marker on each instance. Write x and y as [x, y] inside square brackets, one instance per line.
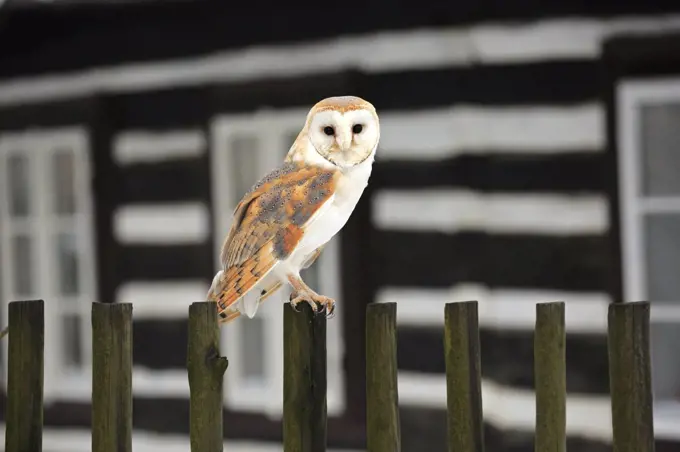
[244, 171]
[73, 353]
[252, 347]
[67, 263]
[22, 260]
[660, 130]
[18, 182]
[665, 347]
[662, 235]
[63, 177]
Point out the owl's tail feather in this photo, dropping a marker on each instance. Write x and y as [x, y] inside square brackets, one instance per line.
[215, 288]
[247, 304]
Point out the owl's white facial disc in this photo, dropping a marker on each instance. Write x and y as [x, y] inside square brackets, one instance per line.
[344, 138]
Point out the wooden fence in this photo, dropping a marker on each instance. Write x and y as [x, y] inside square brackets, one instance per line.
[304, 397]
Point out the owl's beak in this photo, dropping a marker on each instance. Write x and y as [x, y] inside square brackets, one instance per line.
[344, 141]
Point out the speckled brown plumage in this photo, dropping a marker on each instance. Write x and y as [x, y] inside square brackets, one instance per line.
[268, 223]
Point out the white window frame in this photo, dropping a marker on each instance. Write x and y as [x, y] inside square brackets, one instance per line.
[37, 145]
[271, 127]
[631, 94]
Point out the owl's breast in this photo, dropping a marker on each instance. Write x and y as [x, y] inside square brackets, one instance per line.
[334, 214]
[326, 225]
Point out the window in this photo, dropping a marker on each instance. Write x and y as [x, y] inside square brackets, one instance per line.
[649, 162]
[46, 245]
[244, 149]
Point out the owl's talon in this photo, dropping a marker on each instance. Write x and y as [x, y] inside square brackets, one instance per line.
[330, 311]
[294, 304]
[318, 303]
[299, 296]
[327, 305]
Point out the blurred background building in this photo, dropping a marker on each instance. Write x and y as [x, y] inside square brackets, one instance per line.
[528, 154]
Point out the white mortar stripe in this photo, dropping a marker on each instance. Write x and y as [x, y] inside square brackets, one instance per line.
[162, 224]
[80, 440]
[503, 308]
[510, 408]
[163, 383]
[162, 300]
[146, 146]
[433, 134]
[145, 383]
[457, 210]
[560, 38]
[482, 44]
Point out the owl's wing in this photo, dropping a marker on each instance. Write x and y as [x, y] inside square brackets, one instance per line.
[268, 224]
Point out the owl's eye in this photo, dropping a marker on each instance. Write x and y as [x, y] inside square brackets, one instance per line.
[328, 130]
[357, 128]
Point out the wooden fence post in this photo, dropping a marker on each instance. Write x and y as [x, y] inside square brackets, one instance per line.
[382, 407]
[304, 380]
[463, 377]
[111, 377]
[25, 380]
[206, 373]
[550, 377]
[630, 377]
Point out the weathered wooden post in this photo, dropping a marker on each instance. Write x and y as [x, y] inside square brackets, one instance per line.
[111, 377]
[550, 376]
[25, 376]
[382, 407]
[304, 380]
[463, 377]
[630, 379]
[206, 373]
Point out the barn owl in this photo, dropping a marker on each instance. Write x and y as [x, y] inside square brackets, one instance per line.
[282, 224]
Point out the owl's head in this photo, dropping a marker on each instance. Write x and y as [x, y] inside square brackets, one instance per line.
[344, 131]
